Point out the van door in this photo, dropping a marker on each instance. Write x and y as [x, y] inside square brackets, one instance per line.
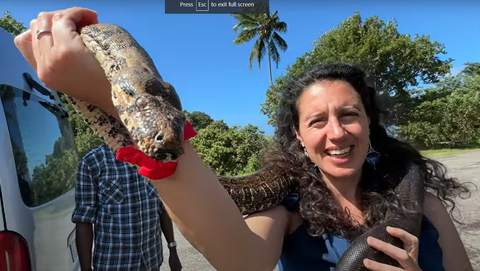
[40, 197]
[39, 161]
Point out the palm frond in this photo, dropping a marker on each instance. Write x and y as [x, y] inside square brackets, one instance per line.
[279, 41]
[280, 27]
[245, 36]
[257, 53]
[273, 52]
[247, 21]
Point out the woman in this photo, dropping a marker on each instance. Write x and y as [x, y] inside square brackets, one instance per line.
[329, 123]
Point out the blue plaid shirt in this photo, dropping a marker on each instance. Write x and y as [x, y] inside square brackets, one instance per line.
[125, 211]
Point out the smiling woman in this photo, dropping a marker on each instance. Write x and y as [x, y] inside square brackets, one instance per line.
[328, 127]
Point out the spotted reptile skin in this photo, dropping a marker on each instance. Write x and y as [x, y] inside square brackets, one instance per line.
[411, 190]
[151, 118]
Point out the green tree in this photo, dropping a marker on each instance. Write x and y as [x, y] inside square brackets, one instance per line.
[393, 62]
[198, 119]
[12, 26]
[447, 115]
[266, 26]
[471, 68]
[230, 150]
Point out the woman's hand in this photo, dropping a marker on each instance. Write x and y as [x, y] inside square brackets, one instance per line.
[60, 58]
[406, 257]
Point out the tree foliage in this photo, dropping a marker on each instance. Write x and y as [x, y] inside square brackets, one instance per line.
[198, 119]
[471, 69]
[393, 62]
[447, 115]
[230, 150]
[12, 26]
[227, 150]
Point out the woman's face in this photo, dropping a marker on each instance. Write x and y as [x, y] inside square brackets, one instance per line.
[333, 127]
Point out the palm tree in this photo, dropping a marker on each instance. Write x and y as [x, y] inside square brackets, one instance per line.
[266, 26]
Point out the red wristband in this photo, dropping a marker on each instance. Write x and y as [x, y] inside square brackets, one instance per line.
[150, 168]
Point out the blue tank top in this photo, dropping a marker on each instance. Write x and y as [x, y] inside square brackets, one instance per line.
[302, 252]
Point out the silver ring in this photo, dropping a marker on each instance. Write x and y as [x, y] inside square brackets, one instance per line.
[39, 32]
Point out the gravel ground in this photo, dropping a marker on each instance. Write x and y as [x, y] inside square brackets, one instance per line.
[464, 166]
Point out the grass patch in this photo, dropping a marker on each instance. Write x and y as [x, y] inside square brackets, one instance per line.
[444, 152]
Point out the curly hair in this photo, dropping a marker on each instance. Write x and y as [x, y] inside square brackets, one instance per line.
[317, 204]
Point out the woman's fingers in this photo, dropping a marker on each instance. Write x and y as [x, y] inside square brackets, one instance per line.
[395, 252]
[61, 59]
[36, 47]
[42, 40]
[410, 241]
[23, 42]
[406, 257]
[66, 23]
[42, 29]
[376, 266]
[33, 43]
[58, 50]
[80, 16]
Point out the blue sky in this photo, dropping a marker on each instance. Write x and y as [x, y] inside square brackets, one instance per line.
[195, 52]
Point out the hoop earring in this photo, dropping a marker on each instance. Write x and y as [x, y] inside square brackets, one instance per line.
[372, 155]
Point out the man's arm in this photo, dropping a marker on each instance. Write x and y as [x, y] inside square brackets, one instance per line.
[167, 226]
[84, 240]
[167, 229]
[84, 214]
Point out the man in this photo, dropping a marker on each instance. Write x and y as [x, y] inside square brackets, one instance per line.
[125, 213]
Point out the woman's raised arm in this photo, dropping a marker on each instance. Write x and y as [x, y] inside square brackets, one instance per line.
[210, 220]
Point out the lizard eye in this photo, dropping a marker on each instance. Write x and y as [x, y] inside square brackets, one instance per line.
[141, 102]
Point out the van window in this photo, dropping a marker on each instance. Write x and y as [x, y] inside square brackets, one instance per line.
[43, 145]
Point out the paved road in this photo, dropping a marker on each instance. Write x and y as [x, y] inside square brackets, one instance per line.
[465, 166]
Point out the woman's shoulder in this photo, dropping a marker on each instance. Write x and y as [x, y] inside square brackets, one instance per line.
[429, 247]
[438, 225]
[282, 213]
[434, 210]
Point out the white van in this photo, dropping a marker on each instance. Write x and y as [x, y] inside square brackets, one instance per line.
[38, 163]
